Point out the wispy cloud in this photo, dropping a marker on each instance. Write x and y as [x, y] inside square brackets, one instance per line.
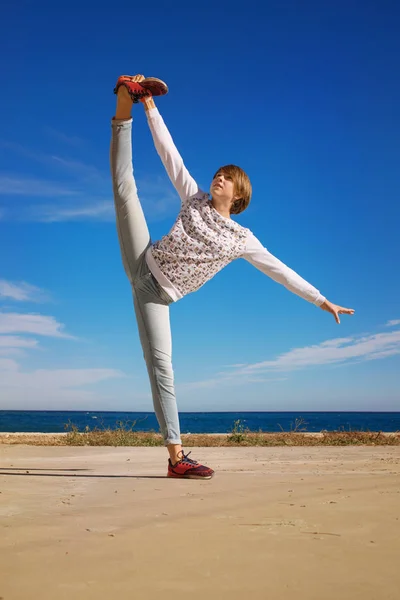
[32, 324]
[49, 389]
[83, 190]
[393, 323]
[71, 140]
[20, 186]
[22, 291]
[22, 150]
[82, 171]
[24, 388]
[157, 199]
[340, 350]
[13, 341]
[13, 345]
[13, 376]
[100, 211]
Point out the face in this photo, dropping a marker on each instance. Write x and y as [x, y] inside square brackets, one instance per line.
[222, 187]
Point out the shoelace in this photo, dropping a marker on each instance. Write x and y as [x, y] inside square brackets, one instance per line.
[185, 459]
[140, 94]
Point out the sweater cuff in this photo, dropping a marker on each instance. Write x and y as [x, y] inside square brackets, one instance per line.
[121, 122]
[152, 112]
[320, 300]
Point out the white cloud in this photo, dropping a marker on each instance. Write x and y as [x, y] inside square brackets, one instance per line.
[335, 342]
[42, 388]
[22, 291]
[393, 323]
[13, 376]
[7, 365]
[53, 389]
[20, 186]
[13, 341]
[13, 345]
[338, 350]
[20, 398]
[32, 324]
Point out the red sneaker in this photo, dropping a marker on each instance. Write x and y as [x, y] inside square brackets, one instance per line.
[151, 86]
[186, 468]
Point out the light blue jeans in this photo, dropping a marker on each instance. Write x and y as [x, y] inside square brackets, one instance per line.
[151, 302]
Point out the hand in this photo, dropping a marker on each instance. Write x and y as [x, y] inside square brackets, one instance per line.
[336, 310]
[148, 103]
[138, 78]
[124, 101]
[123, 94]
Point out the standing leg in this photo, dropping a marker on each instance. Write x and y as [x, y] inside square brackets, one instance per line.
[152, 314]
[152, 311]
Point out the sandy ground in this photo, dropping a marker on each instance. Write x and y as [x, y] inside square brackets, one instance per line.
[274, 523]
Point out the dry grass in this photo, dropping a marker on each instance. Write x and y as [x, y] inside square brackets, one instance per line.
[126, 435]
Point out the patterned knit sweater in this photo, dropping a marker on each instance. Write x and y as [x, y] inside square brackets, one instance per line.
[201, 241]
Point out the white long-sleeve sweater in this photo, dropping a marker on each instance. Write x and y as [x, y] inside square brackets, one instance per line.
[202, 241]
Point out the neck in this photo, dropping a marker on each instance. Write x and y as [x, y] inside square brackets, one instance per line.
[223, 208]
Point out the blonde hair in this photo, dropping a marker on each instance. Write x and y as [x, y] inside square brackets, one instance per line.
[241, 186]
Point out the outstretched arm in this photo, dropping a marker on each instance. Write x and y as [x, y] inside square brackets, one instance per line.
[263, 260]
[180, 177]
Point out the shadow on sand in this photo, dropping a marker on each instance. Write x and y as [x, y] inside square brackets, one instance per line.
[13, 471]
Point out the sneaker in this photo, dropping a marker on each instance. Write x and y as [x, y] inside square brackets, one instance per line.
[186, 468]
[151, 86]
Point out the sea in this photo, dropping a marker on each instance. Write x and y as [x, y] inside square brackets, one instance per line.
[199, 422]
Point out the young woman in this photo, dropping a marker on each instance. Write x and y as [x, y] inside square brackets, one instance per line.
[202, 241]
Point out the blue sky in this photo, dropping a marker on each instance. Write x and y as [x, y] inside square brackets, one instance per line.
[306, 98]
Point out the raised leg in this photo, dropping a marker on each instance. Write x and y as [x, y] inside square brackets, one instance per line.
[152, 312]
[133, 233]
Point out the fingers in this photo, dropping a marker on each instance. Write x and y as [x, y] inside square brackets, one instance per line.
[138, 78]
[336, 310]
[340, 310]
